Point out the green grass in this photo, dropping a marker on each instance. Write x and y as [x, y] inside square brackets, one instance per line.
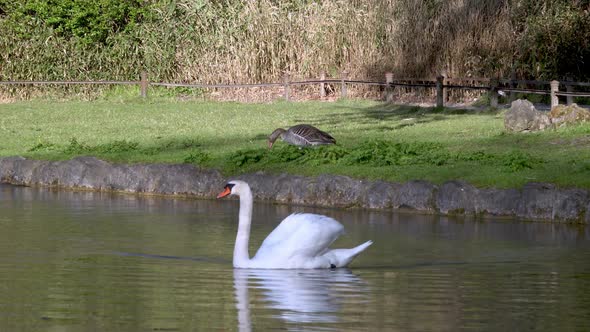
[375, 141]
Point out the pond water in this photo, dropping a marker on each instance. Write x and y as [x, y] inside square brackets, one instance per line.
[83, 261]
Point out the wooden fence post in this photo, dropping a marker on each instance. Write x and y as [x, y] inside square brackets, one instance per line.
[322, 85]
[343, 84]
[445, 90]
[439, 91]
[554, 89]
[388, 87]
[286, 86]
[143, 84]
[569, 88]
[494, 93]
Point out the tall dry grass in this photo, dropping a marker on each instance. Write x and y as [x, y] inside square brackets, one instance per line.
[263, 40]
[260, 40]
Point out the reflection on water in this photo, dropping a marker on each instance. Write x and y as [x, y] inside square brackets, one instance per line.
[82, 261]
[299, 296]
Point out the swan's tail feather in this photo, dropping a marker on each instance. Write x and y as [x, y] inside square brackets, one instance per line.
[358, 249]
[343, 257]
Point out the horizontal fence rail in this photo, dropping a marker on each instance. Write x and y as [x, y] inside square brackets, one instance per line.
[466, 87]
[246, 85]
[573, 94]
[442, 84]
[531, 91]
[412, 85]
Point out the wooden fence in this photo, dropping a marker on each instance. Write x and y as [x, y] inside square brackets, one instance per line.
[441, 84]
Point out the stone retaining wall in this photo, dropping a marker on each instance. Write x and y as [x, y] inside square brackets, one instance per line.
[535, 201]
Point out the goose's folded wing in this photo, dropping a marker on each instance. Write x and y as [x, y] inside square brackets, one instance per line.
[309, 135]
[323, 137]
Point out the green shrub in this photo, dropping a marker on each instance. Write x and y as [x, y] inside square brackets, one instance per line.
[42, 146]
[76, 147]
[243, 158]
[384, 153]
[475, 156]
[518, 161]
[197, 157]
[286, 153]
[118, 146]
[555, 41]
[328, 154]
[87, 21]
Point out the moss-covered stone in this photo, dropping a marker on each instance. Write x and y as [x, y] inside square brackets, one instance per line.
[562, 115]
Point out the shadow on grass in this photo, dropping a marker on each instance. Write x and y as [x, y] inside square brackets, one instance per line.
[167, 150]
[114, 148]
[399, 116]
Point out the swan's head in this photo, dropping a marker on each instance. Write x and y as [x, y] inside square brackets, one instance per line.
[235, 187]
[273, 137]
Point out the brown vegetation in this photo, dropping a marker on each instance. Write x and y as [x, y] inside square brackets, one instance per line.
[258, 41]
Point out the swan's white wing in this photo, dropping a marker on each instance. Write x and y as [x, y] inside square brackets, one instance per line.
[304, 235]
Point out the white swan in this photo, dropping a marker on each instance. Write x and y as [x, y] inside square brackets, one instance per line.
[300, 241]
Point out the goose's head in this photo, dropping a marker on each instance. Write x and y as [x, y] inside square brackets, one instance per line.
[279, 132]
[235, 187]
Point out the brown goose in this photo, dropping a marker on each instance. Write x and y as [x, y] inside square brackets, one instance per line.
[301, 135]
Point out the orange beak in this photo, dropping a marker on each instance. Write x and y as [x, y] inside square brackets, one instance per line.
[269, 144]
[226, 191]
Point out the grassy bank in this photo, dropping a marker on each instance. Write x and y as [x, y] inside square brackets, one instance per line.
[375, 141]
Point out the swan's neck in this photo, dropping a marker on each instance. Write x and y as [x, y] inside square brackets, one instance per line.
[241, 256]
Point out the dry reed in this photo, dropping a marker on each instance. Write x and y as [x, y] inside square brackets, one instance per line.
[261, 40]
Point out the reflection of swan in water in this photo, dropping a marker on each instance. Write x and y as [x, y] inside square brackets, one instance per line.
[301, 296]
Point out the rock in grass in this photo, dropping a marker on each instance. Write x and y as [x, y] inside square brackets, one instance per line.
[523, 117]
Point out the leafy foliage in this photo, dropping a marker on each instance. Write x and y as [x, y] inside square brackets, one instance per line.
[323, 155]
[197, 157]
[475, 156]
[88, 21]
[246, 157]
[41, 146]
[118, 146]
[383, 153]
[373, 153]
[76, 147]
[517, 161]
[556, 40]
[286, 153]
[380, 153]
